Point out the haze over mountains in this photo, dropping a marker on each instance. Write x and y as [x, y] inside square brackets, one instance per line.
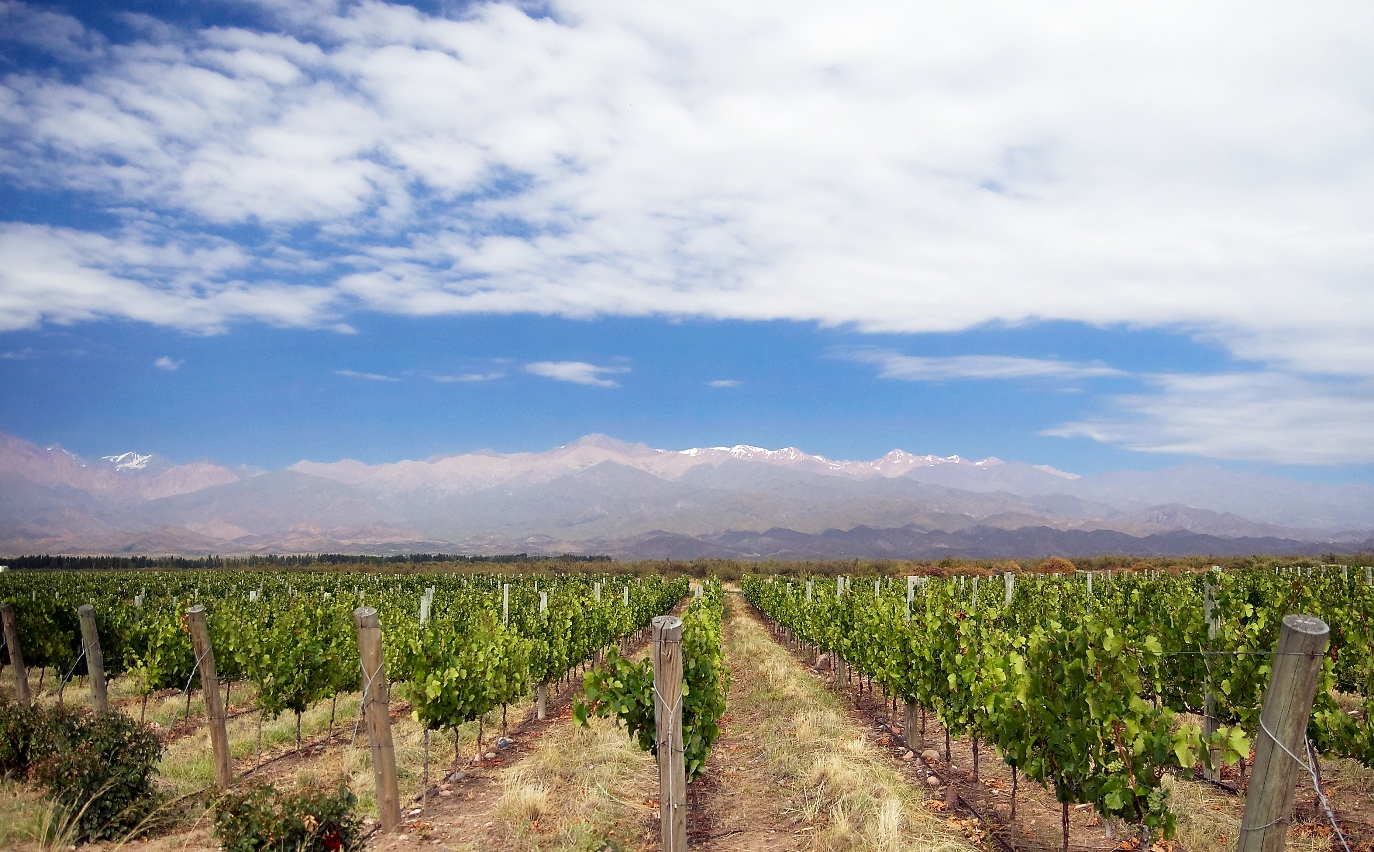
[601, 495]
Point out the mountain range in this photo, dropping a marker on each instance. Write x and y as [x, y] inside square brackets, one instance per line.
[601, 495]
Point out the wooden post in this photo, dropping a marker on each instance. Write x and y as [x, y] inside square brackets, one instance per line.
[1209, 703]
[1287, 708]
[95, 661]
[378, 699]
[672, 766]
[541, 692]
[21, 674]
[909, 725]
[209, 682]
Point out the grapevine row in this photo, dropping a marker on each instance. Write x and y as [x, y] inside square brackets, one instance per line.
[1078, 681]
[459, 645]
[625, 690]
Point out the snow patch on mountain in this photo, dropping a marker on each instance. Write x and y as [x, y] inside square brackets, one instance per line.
[128, 461]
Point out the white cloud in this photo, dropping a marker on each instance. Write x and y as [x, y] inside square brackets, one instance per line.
[166, 363]
[25, 354]
[899, 167]
[372, 377]
[923, 369]
[1254, 416]
[62, 275]
[577, 372]
[60, 35]
[724, 383]
[471, 377]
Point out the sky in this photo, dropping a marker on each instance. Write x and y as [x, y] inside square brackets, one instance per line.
[1089, 235]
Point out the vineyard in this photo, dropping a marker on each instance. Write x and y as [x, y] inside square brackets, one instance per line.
[1104, 690]
[1078, 682]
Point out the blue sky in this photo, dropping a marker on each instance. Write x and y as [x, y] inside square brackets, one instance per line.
[1074, 236]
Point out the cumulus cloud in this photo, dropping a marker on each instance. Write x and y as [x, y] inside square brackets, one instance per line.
[924, 369]
[915, 168]
[1261, 416]
[166, 363]
[577, 372]
[372, 377]
[63, 275]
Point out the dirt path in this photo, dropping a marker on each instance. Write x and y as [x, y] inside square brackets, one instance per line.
[460, 810]
[794, 769]
[741, 802]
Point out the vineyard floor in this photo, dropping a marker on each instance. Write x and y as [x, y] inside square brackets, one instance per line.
[795, 769]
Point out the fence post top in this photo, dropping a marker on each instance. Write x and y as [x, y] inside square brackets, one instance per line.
[192, 610]
[366, 616]
[667, 622]
[85, 608]
[1306, 624]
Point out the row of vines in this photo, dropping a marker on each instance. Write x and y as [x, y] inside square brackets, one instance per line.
[624, 690]
[457, 646]
[1078, 680]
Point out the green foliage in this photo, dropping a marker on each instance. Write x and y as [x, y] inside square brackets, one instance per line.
[705, 678]
[260, 819]
[1057, 679]
[1117, 746]
[296, 649]
[26, 733]
[625, 691]
[455, 673]
[98, 768]
[161, 655]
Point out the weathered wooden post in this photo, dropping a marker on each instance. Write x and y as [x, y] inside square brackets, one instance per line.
[1282, 733]
[95, 661]
[1209, 702]
[839, 668]
[378, 698]
[672, 766]
[214, 706]
[21, 674]
[541, 692]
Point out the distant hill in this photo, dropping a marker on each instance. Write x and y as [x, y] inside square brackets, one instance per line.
[600, 494]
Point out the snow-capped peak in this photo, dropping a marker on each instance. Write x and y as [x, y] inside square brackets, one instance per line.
[128, 461]
[1044, 468]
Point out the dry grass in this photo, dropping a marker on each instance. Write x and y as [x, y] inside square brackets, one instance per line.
[1346, 777]
[580, 789]
[1209, 820]
[21, 816]
[839, 783]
